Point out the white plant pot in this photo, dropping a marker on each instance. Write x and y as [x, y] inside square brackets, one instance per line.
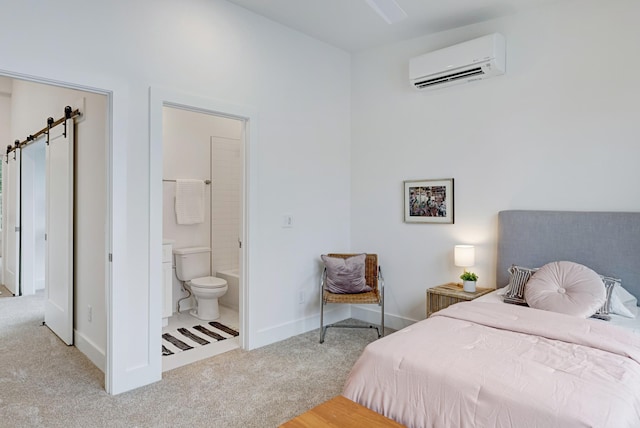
[469, 286]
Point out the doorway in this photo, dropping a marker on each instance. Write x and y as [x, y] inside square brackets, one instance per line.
[30, 103]
[32, 223]
[202, 150]
[246, 119]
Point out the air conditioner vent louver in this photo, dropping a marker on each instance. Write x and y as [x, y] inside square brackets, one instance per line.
[449, 77]
[469, 61]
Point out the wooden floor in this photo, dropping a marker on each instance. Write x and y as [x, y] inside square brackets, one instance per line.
[340, 412]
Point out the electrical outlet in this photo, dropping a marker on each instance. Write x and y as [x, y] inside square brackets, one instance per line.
[90, 313]
[301, 297]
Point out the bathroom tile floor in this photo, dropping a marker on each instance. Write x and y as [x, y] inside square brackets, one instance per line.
[228, 317]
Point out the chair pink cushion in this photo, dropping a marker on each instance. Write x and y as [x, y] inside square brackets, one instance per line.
[346, 276]
[566, 287]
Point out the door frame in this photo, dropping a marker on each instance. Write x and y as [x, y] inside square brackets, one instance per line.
[11, 183]
[116, 92]
[163, 97]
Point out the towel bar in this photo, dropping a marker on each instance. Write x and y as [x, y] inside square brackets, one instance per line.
[173, 181]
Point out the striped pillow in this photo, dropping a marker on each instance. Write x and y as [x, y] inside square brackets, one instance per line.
[609, 284]
[519, 276]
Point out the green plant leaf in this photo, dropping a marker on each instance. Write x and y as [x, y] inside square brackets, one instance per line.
[469, 276]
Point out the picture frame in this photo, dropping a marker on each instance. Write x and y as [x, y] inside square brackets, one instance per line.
[429, 201]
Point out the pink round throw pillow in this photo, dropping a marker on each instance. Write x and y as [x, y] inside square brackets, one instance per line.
[566, 287]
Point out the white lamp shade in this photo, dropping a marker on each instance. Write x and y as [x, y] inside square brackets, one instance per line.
[464, 255]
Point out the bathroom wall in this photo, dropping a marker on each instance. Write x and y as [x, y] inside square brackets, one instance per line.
[226, 172]
[203, 146]
[186, 155]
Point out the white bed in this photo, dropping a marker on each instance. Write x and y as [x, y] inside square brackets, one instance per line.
[487, 363]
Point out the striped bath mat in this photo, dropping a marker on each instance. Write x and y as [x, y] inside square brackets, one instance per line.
[184, 339]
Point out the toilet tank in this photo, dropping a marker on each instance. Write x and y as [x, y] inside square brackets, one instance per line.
[192, 262]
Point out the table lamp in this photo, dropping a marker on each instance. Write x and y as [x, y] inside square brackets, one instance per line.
[465, 256]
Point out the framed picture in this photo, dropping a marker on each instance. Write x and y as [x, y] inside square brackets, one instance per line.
[428, 201]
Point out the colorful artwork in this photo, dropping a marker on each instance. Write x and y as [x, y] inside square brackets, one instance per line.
[428, 201]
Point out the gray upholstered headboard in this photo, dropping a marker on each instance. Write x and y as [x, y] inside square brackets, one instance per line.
[607, 242]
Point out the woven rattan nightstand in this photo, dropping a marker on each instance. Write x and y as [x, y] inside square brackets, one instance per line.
[446, 295]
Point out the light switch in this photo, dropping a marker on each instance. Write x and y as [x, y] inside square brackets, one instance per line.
[287, 220]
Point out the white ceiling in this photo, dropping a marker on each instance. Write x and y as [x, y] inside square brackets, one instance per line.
[353, 26]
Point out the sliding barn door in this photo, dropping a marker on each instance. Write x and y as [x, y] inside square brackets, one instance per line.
[11, 257]
[58, 314]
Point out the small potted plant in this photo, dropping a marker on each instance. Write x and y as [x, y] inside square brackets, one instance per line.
[469, 281]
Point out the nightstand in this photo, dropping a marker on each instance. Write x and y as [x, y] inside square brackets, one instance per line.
[447, 294]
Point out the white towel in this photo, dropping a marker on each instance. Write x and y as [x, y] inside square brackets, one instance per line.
[189, 201]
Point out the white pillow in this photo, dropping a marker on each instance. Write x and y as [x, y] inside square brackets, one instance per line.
[633, 310]
[623, 303]
[625, 297]
[566, 287]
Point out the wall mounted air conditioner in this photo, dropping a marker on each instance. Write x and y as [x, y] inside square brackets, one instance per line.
[476, 59]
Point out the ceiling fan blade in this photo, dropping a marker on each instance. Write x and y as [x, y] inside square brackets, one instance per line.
[389, 10]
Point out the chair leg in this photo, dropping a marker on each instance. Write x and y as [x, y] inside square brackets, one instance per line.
[382, 316]
[322, 328]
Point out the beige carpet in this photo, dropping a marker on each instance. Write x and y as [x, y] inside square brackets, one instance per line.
[44, 383]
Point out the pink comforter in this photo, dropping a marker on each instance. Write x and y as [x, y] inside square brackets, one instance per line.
[479, 364]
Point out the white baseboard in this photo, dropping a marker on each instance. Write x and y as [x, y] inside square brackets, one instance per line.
[283, 331]
[269, 335]
[90, 350]
[369, 314]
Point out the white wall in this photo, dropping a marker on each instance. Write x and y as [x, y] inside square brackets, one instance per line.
[32, 104]
[5, 130]
[558, 131]
[300, 89]
[5, 114]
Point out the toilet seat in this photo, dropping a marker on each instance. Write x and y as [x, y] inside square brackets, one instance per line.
[208, 282]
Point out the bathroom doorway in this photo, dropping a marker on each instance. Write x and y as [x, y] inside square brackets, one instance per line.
[208, 147]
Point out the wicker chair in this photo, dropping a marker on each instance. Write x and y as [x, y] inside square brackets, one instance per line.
[374, 279]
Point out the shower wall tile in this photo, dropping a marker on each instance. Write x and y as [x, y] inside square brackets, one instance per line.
[225, 208]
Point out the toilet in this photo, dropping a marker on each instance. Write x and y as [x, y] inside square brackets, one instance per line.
[193, 269]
